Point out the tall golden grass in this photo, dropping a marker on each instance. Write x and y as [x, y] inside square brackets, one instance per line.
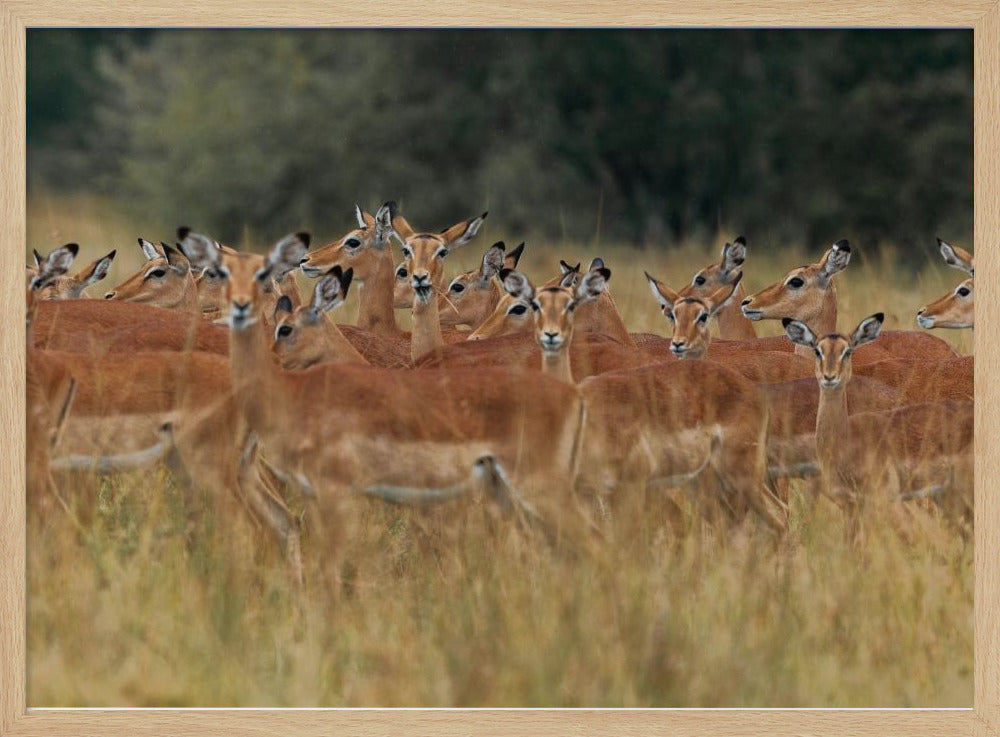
[145, 593]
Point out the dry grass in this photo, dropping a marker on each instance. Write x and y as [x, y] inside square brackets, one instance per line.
[147, 596]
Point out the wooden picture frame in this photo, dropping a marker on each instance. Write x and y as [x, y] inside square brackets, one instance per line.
[983, 16]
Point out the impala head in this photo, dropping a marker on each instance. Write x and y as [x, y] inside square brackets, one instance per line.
[45, 272]
[957, 258]
[296, 329]
[833, 352]
[247, 277]
[361, 249]
[801, 292]
[553, 306]
[956, 309]
[211, 286]
[691, 315]
[72, 287]
[471, 297]
[424, 253]
[515, 315]
[728, 271]
[164, 280]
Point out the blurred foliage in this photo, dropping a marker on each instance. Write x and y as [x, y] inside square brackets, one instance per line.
[643, 136]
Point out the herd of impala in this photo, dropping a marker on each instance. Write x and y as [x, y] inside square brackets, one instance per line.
[545, 404]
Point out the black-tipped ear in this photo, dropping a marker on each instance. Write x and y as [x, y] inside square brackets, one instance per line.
[842, 245]
[503, 273]
[284, 304]
[73, 248]
[515, 255]
[305, 238]
[596, 265]
[345, 280]
[741, 240]
[39, 259]
[336, 271]
[501, 245]
[182, 232]
[393, 209]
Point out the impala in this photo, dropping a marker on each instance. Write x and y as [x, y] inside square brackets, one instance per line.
[662, 422]
[808, 294]
[210, 285]
[513, 315]
[65, 286]
[956, 309]
[733, 325]
[305, 335]
[382, 426]
[164, 281]
[923, 449]
[424, 254]
[692, 337]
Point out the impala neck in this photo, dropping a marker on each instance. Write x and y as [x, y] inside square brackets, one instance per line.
[336, 348]
[833, 447]
[375, 298]
[824, 322]
[426, 328]
[557, 365]
[254, 372]
[733, 324]
[601, 316]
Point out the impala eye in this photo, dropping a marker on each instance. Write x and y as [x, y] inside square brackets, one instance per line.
[535, 306]
[457, 288]
[401, 272]
[963, 292]
[818, 352]
[407, 252]
[284, 331]
[703, 318]
[156, 273]
[795, 282]
[517, 310]
[442, 252]
[699, 280]
[352, 243]
[670, 315]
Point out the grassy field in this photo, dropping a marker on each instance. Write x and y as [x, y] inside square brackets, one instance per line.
[144, 595]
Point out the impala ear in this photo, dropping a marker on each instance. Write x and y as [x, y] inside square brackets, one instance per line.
[517, 284]
[199, 250]
[592, 284]
[721, 296]
[734, 254]
[176, 259]
[284, 304]
[97, 270]
[957, 258]
[330, 291]
[54, 265]
[511, 260]
[397, 223]
[663, 294]
[286, 256]
[493, 261]
[836, 259]
[149, 250]
[799, 332]
[570, 274]
[867, 330]
[38, 257]
[383, 225]
[461, 233]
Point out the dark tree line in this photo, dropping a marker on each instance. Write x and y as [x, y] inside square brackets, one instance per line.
[638, 136]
